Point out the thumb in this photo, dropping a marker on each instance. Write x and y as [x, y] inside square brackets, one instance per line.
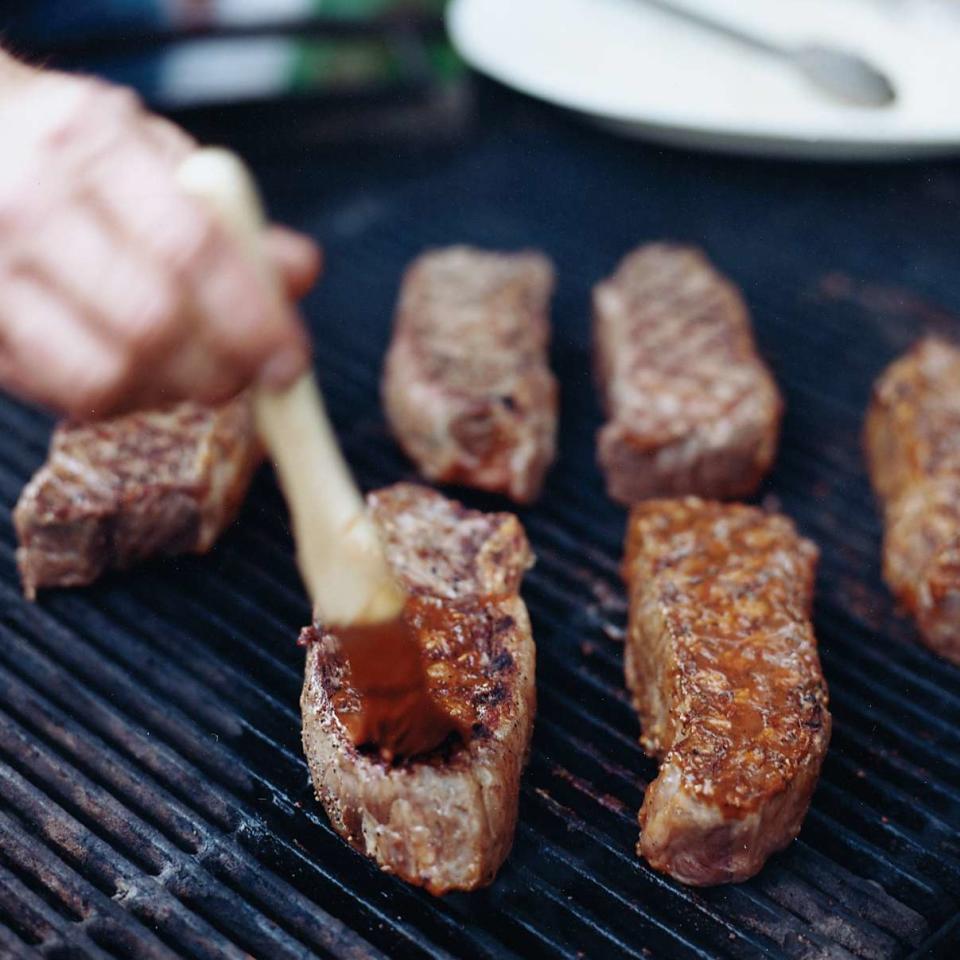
[295, 257]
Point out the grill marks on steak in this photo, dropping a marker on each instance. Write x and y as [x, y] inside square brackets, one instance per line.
[467, 387]
[146, 484]
[722, 664]
[692, 409]
[912, 440]
[444, 821]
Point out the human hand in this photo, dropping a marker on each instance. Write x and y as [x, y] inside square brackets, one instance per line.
[117, 291]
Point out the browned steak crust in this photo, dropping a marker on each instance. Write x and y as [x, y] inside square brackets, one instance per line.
[466, 387]
[445, 821]
[912, 440]
[691, 407]
[723, 667]
[147, 484]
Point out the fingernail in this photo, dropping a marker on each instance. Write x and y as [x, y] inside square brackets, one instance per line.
[283, 368]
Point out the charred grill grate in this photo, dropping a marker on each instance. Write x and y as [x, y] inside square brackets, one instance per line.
[153, 796]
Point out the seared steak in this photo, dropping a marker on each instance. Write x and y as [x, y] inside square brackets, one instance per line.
[444, 821]
[723, 667]
[147, 484]
[467, 388]
[691, 407]
[912, 440]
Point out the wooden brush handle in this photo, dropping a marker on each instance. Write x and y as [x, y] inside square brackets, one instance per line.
[339, 552]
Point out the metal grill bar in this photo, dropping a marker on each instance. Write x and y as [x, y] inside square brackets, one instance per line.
[179, 681]
[616, 692]
[557, 597]
[154, 799]
[232, 771]
[193, 842]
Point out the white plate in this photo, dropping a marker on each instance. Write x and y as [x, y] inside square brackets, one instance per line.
[650, 75]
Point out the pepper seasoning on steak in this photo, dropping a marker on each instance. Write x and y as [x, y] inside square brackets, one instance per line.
[722, 664]
[147, 484]
[912, 441]
[691, 408]
[446, 820]
[467, 387]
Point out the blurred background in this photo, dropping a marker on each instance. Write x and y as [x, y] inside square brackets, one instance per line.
[369, 68]
[395, 69]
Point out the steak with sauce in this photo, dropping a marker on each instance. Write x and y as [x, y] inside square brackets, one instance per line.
[467, 387]
[691, 407]
[722, 664]
[912, 440]
[445, 820]
[146, 484]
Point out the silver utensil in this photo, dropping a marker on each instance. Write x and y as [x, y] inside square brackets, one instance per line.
[844, 75]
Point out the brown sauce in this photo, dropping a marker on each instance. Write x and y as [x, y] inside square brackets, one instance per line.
[428, 677]
[747, 701]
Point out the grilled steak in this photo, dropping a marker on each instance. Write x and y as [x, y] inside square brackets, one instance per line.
[137, 486]
[691, 407]
[912, 441]
[467, 388]
[446, 820]
[723, 667]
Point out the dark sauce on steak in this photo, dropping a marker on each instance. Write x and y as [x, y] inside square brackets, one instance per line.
[439, 685]
[387, 706]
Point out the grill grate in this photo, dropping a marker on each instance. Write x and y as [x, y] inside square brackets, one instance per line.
[153, 796]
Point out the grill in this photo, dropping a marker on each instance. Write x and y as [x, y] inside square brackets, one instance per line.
[154, 800]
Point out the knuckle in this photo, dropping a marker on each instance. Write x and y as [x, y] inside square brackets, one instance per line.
[254, 328]
[175, 139]
[76, 104]
[15, 209]
[253, 316]
[98, 394]
[246, 352]
[222, 388]
[269, 339]
[122, 100]
[88, 108]
[190, 240]
[155, 317]
[101, 98]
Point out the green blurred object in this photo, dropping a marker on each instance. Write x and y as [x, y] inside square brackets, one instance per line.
[375, 66]
[373, 8]
[349, 64]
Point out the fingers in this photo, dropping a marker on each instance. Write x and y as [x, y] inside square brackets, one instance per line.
[50, 354]
[192, 371]
[50, 357]
[229, 313]
[108, 283]
[172, 142]
[116, 289]
[256, 329]
[171, 347]
[295, 257]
